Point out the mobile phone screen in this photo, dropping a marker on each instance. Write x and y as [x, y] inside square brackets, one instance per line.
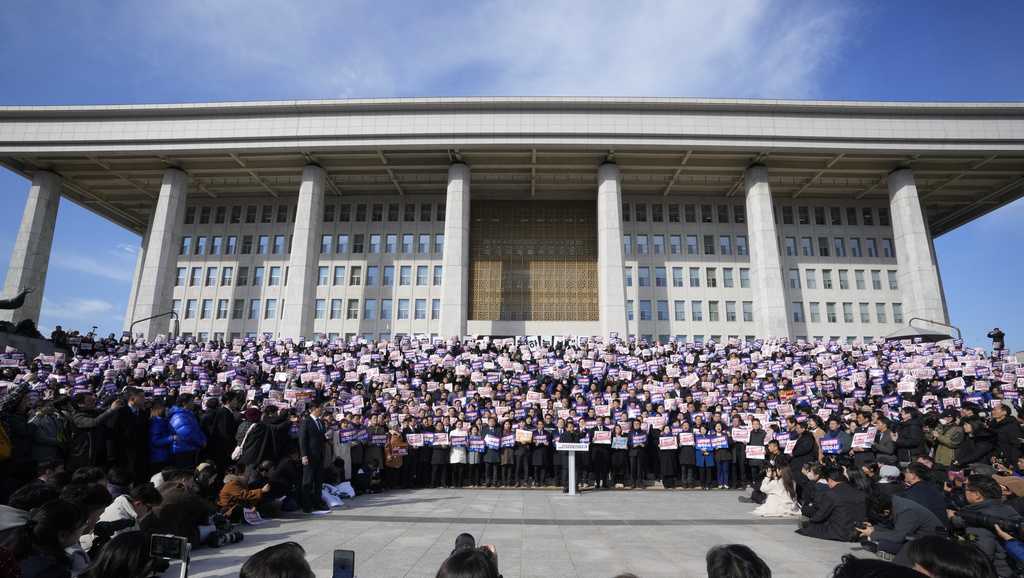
[344, 564]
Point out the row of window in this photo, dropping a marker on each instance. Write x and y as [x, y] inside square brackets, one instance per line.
[410, 244]
[832, 312]
[710, 277]
[725, 214]
[369, 310]
[833, 216]
[810, 279]
[343, 213]
[661, 310]
[682, 338]
[375, 275]
[724, 246]
[204, 336]
[836, 247]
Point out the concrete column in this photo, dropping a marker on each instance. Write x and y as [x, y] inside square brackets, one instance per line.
[157, 276]
[765, 261]
[611, 282]
[305, 256]
[918, 273]
[31, 254]
[455, 282]
[129, 313]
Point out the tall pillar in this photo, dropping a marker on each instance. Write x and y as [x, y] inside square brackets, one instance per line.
[305, 256]
[765, 261]
[918, 273]
[611, 282]
[455, 282]
[157, 277]
[31, 254]
[129, 313]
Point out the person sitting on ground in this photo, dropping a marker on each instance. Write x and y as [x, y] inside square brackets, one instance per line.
[92, 499]
[839, 510]
[854, 567]
[236, 495]
[781, 502]
[287, 560]
[123, 515]
[40, 545]
[894, 521]
[984, 503]
[126, 556]
[735, 561]
[20, 506]
[939, 557]
[471, 563]
[923, 492]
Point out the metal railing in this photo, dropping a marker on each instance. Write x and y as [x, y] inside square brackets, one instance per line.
[173, 314]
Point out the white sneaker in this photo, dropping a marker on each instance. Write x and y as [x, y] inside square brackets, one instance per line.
[320, 512]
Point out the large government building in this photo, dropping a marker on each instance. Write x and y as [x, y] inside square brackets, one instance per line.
[662, 218]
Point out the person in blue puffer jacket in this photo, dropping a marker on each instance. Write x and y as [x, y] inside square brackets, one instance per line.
[188, 435]
[161, 435]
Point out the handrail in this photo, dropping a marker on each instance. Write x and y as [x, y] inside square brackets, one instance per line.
[959, 334]
[172, 313]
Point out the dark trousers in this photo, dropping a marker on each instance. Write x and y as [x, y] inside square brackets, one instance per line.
[185, 460]
[438, 475]
[522, 469]
[491, 474]
[636, 470]
[312, 484]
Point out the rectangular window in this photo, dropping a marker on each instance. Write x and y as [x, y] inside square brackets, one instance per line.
[629, 310]
[425, 212]
[709, 244]
[659, 277]
[388, 279]
[724, 245]
[644, 276]
[741, 245]
[690, 212]
[435, 309]
[806, 247]
[696, 311]
[211, 277]
[190, 309]
[830, 312]
[216, 245]
[409, 212]
[794, 278]
[319, 308]
[322, 275]
[374, 244]
[677, 276]
[370, 309]
[227, 275]
[872, 247]
[823, 248]
[658, 244]
[232, 245]
[803, 215]
[868, 216]
[847, 312]
[204, 216]
[840, 246]
[797, 307]
[675, 244]
[360, 213]
[851, 216]
[407, 244]
[275, 276]
[855, 247]
[787, 215]
[893, 285]
[405, 275]
[723, 213]
[835, 216]
[883, 216]
[243, 276]
[328, 213]
[423, 246]
[748, 312]
[645, 310]
[790, 243]
[662, 307]
[352, 309]
[339, 275]
[236, 215]
[355, 277]
[880, 312]
[336, 308]
[385, 307]
[439, 244]
[342, 247]
[357, 244]
[679, 310]
[179, 278]
[897, 313]
[393, 212]
[237, 308]
[811, 279]
[844, 279]
[420, 311]
[377, 212]
[282, 213]
[691, 245]
[815, 312]
[200, 245]
[627, 245]
[270, 309]
[629, 276]
[673, 213]
[195, 276]
[190, 216]
[266, 213]
[641, 244]
[730, 311]
[403, 308]
[694, 277]
[876, 279]
[627, 214]
[727, 280]
[887, 249]
[279, 244]
[250, 214]
[247, 244]
[254, 309]
[391, 244]
[262, 244]
[865, 312]
[819, 216]
[706, 215]
[641, 213]
[826, 278]
[711, 277]
[372, 275]
[658, 213]
[858, 277]
[744, 278]
[421, 275]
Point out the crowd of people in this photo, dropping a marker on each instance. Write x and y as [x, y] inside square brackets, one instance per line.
[881, 443]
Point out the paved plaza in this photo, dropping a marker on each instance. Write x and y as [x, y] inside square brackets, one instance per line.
[541, 533]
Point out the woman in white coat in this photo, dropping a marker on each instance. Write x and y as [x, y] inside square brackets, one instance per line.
[780, 488]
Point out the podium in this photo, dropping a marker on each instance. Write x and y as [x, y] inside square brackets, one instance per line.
[572, 448]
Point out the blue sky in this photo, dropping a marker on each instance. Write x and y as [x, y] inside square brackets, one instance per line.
[88, 52]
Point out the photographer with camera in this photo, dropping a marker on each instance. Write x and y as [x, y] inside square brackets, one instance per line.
[985, 510]
[893, 521]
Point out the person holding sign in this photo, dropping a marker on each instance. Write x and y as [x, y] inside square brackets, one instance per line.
[835, 443]
[524, 442]
[620, 456]
[668, 456]
[705, 453]
[637, 449]
[538, 454]
[600, 453]
[474, 457]
[458, 456]
[394, 456]
[439, 459]
[492, 455]
[508, 454]
[756, 439]
[723, 455]
[687, 454]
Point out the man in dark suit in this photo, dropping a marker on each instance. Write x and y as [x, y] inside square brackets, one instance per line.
[805, 451]
[311, 448]
[570, 436]
[920, 490]
[839, 510]
[130, 436]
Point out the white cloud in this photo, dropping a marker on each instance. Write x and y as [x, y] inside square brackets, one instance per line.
[78, 309]
[326, 49]
[117, 265]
